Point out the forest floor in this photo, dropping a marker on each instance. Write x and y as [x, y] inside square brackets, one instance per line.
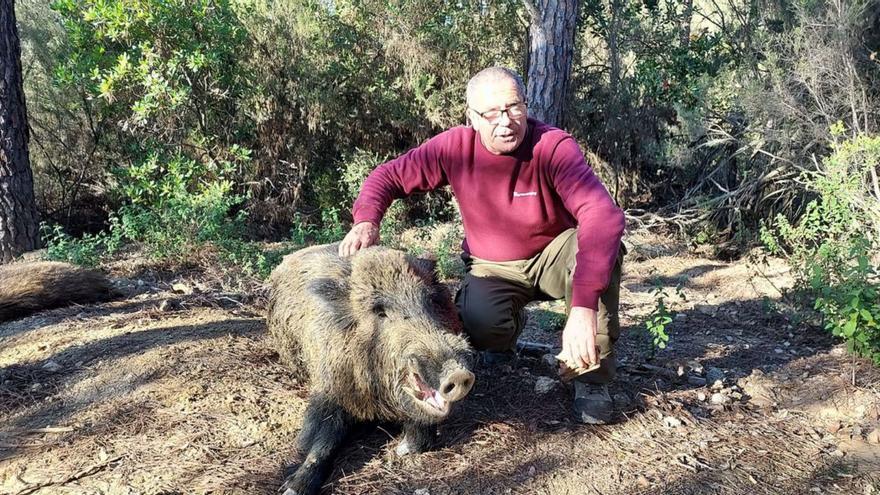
[176, 390]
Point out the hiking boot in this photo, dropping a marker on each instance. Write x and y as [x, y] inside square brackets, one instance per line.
[592, 403]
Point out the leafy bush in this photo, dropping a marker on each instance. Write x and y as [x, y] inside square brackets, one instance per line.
[661, 316]
[330, 229]
[84, 251]
[834, 247]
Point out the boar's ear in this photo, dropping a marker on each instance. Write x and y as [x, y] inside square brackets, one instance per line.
[332, 295]
[426, 267]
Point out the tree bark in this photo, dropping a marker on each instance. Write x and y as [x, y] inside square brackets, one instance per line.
[18, 210]
[551, 49]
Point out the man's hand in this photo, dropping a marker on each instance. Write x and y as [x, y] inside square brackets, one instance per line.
[579, 337]
[363, 234]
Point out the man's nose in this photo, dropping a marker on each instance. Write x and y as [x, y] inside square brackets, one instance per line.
[504, 120]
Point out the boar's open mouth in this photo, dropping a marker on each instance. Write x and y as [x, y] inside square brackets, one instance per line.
[426, 396]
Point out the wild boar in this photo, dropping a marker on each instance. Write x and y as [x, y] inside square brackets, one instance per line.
[379, 339]
[26, 288]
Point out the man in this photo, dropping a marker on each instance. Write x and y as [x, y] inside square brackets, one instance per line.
[538, 224]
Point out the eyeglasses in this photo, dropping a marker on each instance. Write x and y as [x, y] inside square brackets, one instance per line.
[514, 111]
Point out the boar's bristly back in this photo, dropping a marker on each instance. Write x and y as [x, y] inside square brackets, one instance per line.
[26, 288]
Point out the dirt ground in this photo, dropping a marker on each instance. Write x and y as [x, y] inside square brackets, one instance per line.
[176, 390]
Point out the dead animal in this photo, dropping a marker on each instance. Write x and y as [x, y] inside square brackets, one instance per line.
[379, 339]
[26, 288]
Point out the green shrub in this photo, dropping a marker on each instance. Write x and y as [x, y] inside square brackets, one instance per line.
[84, 251]
[331, 228]
[833, 248]
[661, 316]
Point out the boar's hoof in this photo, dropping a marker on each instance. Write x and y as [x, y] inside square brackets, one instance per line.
[405, 448]
[288, 487]
[416, 439]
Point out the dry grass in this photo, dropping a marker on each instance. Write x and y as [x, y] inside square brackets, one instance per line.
[126, 398]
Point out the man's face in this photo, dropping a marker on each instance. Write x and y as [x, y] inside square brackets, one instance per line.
[505, 135]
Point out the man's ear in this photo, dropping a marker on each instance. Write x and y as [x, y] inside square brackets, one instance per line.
[473, 119]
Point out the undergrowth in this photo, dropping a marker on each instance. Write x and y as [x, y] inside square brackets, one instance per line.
[833, 248]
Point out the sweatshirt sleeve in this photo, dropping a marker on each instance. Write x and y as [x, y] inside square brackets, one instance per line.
[419, 169]
[600, 222]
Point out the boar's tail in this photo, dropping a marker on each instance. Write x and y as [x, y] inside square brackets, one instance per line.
[26, 288]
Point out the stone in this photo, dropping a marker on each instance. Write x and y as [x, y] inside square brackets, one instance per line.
[169, 305]
[714, 374]
[544, 384]
[51, 366]
[874, 436]
[719, 399]
[181, 288]
[671, 422]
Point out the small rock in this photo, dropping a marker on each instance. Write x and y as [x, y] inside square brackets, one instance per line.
[550, 360]
[680, 317]
[701, 397]
[182, 288]
[837, 453]
[51, 366]
[833, 427]
[36, 386]
[719, 399]
[532, 471]
[735, 395]
[422, 491]
[671, 422]
[714, 374]
[643, 482]
[544, 384]
[696, 367]
[874, 436]
[856, 432]
[717, 385]
[169, 305]
[778, 351]
[728, 338]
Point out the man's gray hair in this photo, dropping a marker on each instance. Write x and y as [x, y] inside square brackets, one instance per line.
[493, 74]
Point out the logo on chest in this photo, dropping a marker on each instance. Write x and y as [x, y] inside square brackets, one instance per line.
[517, 194]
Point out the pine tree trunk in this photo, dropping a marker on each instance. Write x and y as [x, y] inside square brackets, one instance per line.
[551, 49]
[18, 211]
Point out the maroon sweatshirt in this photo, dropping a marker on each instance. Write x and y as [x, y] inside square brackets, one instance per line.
[512, 205]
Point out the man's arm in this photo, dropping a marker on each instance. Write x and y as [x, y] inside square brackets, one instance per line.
[419, 169]
[600, 228]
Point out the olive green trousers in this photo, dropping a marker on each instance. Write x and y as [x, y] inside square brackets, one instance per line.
[493, 294]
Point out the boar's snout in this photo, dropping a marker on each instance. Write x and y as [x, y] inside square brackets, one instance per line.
[457, 385]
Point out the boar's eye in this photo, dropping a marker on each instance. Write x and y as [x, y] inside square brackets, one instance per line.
[379, 310]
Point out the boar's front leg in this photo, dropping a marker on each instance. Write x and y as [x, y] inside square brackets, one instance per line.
[416, 438]
[325, 427]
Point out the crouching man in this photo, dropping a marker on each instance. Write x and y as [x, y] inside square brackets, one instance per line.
[538, 224]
